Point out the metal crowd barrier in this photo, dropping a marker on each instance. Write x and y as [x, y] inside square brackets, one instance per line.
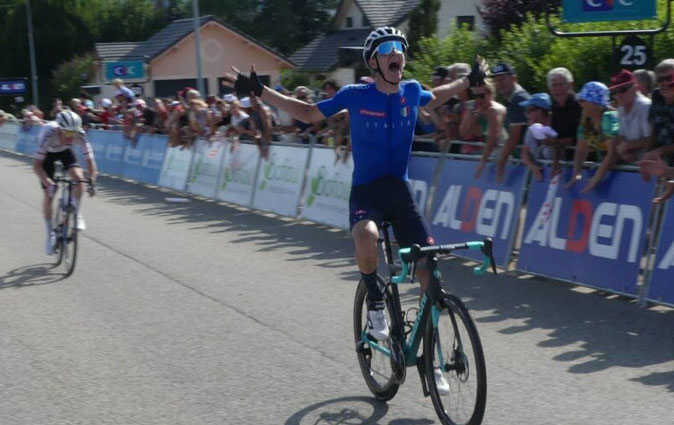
[612, 239]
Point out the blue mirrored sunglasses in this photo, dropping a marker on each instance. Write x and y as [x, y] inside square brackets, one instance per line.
[387, 47]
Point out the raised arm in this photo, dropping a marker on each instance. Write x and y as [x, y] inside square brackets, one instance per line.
[442, 94]
[305, 112]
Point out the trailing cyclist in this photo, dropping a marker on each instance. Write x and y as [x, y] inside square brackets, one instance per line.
[55, 143]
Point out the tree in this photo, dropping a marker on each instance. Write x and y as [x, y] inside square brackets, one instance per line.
[500, 15]
[423, 23]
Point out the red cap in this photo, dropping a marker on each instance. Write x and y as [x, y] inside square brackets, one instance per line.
[622, 78]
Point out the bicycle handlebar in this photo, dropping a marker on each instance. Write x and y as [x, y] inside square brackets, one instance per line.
[416, 252]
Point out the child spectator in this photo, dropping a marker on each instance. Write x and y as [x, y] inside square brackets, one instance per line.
[536, 139]
[598, 124]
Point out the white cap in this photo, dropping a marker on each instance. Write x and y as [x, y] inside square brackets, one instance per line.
[106, 103]
[230, 98]
[245, 102]
[138, 102]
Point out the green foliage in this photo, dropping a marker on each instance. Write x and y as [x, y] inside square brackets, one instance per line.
[68, 76]
[533, 50]
[460, 45]
[423, 22]
[291, 79]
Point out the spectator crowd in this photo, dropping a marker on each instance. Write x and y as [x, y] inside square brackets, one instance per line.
[627, 120]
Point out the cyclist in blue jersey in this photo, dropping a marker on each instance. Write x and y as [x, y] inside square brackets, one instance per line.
[382, 116]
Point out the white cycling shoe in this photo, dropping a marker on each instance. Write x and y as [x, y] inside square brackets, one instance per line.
[440, 382]
[49, 243]
[377, 324]
[81, 225]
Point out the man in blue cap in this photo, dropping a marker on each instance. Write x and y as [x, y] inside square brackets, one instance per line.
[515, 121]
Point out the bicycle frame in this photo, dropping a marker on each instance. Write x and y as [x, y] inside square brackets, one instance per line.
[432, 294]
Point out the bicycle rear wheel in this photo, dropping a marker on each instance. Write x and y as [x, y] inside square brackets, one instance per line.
[69, 247]
[455, 347]
[376, 366]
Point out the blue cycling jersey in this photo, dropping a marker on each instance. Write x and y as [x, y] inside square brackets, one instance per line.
[382, 127]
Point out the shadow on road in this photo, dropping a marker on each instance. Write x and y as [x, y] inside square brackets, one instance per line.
[351, 411]
[33, 275]
[269, 231]
[598, 331]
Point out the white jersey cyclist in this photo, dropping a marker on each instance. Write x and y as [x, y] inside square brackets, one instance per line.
[55, 143]
[49, 141]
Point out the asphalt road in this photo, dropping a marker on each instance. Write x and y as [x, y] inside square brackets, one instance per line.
[206, 313]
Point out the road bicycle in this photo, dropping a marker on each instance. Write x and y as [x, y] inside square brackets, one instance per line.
[451, 344]
[65, 222]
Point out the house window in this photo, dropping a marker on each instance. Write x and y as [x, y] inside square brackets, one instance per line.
[364, 22]
[468, 20]
[349, 22]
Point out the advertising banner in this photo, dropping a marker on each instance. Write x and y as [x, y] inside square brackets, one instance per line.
[26, 141]
[420, 173]
[594, 239]
[662, 279]
[608, 10]
[208, 158]
[237, 179]
[326, 198]
[108, 149]
[176, 167]
[279, 180]
[143, 162]
[8, 136]
[466, 208]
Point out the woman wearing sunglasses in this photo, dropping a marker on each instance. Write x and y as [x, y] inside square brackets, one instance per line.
[382, 117]
[55, 143]
[482, 121]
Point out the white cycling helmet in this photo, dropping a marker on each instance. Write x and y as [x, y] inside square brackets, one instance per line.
[69, 121]
[379, 36]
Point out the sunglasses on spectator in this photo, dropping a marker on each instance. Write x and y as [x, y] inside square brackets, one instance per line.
[387, 47]
[532, 109]
[479, 95]
[623, 90]
[664, 79]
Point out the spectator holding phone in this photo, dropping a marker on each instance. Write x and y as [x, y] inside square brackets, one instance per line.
[661, 115]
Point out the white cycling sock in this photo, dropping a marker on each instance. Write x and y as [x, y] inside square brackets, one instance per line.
[48, 223]
[77, 205]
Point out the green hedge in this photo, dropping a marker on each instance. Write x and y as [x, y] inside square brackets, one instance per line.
[534, 50]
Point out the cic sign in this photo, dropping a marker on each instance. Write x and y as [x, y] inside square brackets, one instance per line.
[607, 10]
[129, 71]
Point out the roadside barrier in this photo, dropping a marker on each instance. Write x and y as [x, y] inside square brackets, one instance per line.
[612, 239]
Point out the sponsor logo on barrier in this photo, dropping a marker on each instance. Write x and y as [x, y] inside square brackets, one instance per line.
[420, 193]
[280, 172]
[481, 213]
[668, 260]
[323, 185]
[153, 159]
[600, 235]
[133, 156]
[114, 152]
[236, 173]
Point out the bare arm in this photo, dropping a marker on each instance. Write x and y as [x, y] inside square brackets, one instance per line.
[302, 111]
[445, 92]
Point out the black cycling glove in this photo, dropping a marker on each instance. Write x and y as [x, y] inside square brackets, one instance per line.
[250, 84]
[477, 73]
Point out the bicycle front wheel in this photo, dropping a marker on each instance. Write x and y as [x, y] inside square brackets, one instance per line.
[69, 247]
[58, 232]
[453, 348]
[377, 367]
